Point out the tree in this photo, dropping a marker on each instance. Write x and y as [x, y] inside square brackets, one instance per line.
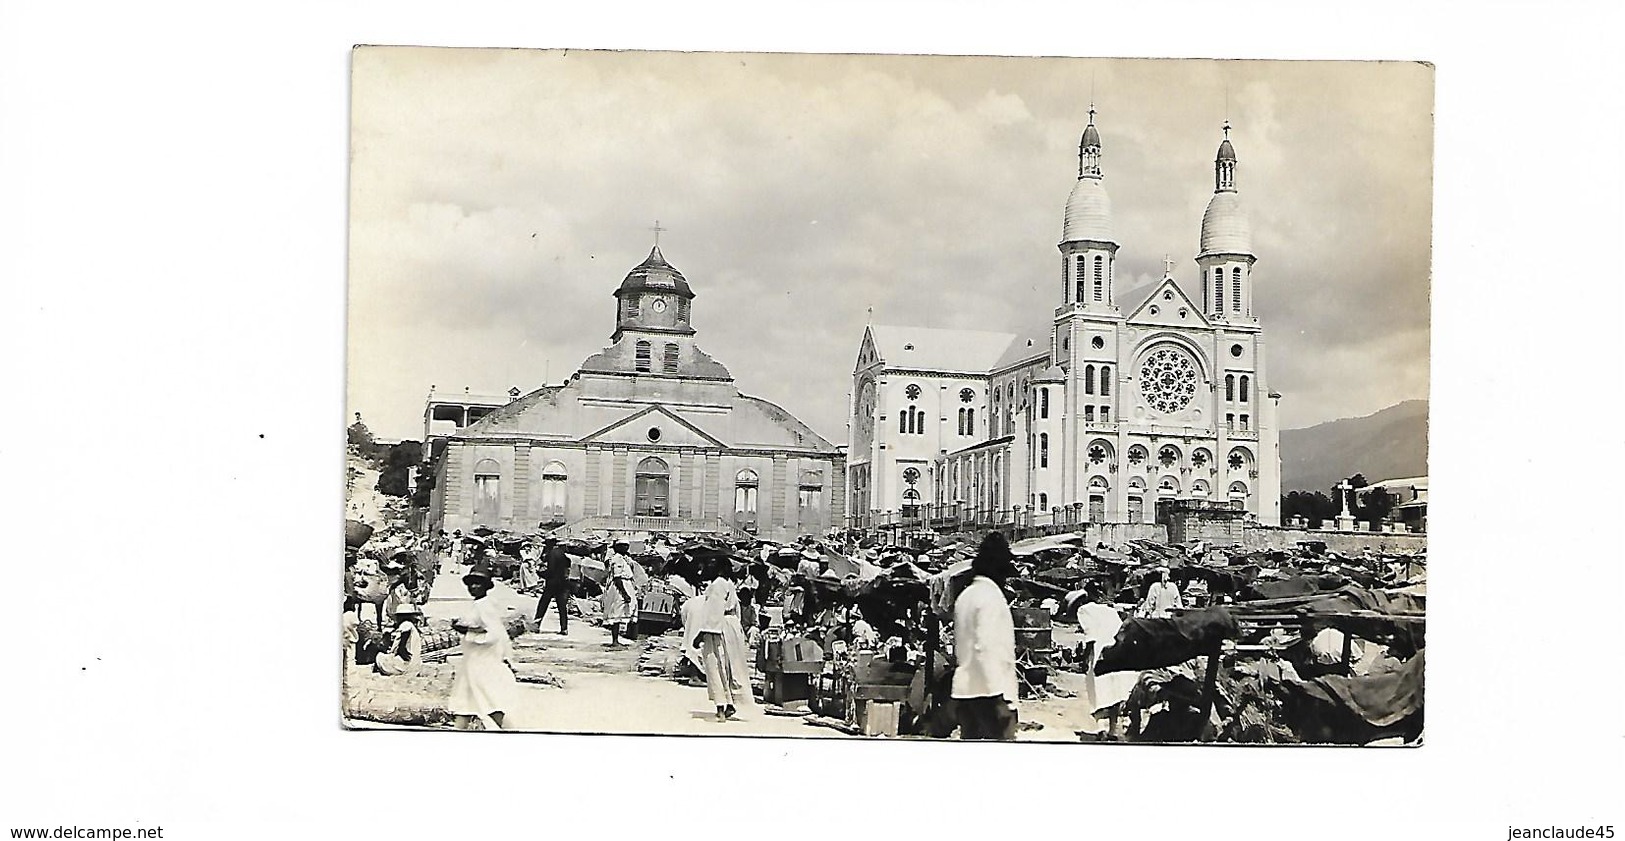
[358, 435]
[1375, 506]
[395, 477]
[1314, 506]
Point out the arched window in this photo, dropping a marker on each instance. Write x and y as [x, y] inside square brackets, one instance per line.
[1077, 275]
[487, 491]
[1243, 423]
[970, 421]
[631, 306]
[1244, 389]
[671, 358]
[1043, 403]
[1105, 381]
[745, 488]
[682, 310]
[1089, 379]
[1235, 289]
[1043, 502]
[902, 422]
[555, 484]
[1043, 449]
[1230, 386]
[1100, 278]
[641, 360]
[1218, 291]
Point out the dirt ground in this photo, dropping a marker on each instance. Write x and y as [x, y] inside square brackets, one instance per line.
[603, 692]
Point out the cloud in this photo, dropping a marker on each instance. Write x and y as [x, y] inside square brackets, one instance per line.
[499, 196]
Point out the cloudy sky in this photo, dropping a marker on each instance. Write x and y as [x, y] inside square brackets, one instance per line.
[498, 197]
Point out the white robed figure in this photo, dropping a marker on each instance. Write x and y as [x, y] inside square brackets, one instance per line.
[484, 686]
[721, 641]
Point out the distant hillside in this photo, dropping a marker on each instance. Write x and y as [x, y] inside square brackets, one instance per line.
[1391, 444]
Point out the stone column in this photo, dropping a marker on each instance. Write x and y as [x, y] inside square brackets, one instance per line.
[617, 483]
[685, 479]
[712, 491]
[520, 517]
[594, 481]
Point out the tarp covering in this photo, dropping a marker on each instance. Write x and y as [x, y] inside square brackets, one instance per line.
[1143, 644]
[1034, 545]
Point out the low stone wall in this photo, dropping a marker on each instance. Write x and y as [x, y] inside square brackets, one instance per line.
[1272, 537]
[1114, 534]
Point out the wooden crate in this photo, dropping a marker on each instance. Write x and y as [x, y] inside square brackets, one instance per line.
[878, 718]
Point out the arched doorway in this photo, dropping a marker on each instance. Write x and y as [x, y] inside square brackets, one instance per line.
[653, 484]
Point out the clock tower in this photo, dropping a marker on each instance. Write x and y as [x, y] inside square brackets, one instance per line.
[654, 298]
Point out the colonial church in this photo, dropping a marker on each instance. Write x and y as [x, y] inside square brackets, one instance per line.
[650, 434]
[1128, 400]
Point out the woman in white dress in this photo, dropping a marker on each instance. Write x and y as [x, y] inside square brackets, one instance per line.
[620, 599]
[484, 686]
[721, 643]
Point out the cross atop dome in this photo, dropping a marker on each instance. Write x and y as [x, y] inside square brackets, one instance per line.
[1089, 149]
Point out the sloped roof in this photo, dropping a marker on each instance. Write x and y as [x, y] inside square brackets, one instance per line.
[776, 414]
[1131, 300]
[1020, 351]
[943, 350]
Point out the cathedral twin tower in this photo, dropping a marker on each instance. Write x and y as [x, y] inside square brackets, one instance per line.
[1138, 396]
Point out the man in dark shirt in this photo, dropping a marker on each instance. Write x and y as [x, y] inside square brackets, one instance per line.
[555, 583]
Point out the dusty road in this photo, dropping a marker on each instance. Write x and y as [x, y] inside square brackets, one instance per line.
[603, 692]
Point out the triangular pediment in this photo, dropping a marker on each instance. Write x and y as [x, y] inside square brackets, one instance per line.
[634, 429]
[1168, 306]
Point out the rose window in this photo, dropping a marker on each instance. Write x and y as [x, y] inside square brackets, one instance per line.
[1167, 455]
[912, 391]
[1097, 454]
[911, 475]
[1235, 461]
[1199, 458]
[1136, 454]
[966, 395]
[1168, 380]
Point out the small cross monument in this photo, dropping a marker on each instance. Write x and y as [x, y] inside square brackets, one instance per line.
[1344, 521]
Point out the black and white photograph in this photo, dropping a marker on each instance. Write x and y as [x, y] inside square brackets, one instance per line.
[971, 398]
[890, 420]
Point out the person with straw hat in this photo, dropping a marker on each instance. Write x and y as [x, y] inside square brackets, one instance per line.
[403, 653]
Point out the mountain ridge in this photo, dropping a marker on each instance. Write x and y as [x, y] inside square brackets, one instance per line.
[1390, 443]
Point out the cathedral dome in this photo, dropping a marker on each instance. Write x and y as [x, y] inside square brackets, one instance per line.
[655, 275]
[1224, 226]
[1091, 135]
[1088, 213]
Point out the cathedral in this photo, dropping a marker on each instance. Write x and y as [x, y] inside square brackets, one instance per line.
[650, 434]
[1130, 400]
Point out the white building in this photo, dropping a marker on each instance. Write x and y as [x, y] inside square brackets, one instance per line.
[1130, 399]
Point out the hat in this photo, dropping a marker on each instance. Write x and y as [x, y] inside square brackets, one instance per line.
[549, 540]
[407, 607]
[811, 554]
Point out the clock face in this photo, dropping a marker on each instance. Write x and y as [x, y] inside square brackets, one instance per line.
[659, 305]
[1168, 379]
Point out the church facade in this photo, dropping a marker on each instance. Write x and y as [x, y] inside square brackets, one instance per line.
[1128, 401]
[650, 434]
